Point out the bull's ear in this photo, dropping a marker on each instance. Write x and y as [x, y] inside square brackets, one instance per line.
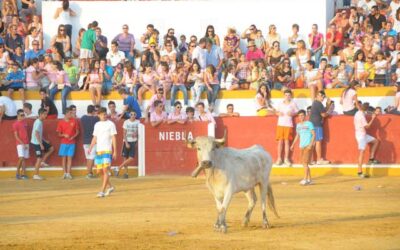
[190, 143]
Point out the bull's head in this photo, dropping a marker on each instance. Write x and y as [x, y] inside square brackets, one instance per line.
[205, 147]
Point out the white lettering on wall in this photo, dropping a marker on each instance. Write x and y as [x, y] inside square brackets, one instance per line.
[174, 136]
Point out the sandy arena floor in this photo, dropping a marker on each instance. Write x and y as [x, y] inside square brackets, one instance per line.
[178, 213]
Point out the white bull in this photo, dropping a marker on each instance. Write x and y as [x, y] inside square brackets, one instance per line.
[229, 171]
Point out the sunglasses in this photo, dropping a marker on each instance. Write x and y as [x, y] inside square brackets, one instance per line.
[370, 58]
[62, 30]
[152, 46]
[178, 107]
[22, 115]
[192, 46]
[35, 44]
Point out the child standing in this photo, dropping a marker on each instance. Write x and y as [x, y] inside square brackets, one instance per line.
[20, 129]
[305, 130]
[104, 137]
[130, 127]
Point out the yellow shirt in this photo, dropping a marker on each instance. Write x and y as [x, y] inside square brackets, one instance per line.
[369, 67]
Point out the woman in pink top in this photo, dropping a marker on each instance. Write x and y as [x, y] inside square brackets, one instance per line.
[158, 116]
[316, 40]
[129, 77]
[147, 82]
[177, 116]
[94, 81]
[263, 101]
[349, 99]
[202, 115]
[33, 75]
[284, 132]
[61, 83]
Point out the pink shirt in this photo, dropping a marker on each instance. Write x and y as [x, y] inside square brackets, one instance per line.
[129, 80]
[316, 42]
[149, 79]
[62, 77]
[348, 102]
[359, 124]
[30, 82]
[206, 117]
[154, 117]
[254, 55]
[259, 98]
[173, 116]
[153, 99]
[288, 110]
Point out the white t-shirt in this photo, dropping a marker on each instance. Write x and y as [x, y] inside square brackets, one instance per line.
[379, 64]
[115, 58]
[348, 102]
[10, 108]
[131, 130]
[394, 6]
[104, 131]
[310, 75]
[201, 56]
[359, 124]
[288, 110]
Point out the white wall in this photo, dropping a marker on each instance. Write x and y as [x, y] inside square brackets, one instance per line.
[191, 17]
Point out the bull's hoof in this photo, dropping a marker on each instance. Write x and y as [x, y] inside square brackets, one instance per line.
[217, 226]
[245, 223]
[223, 229]
[266, 225]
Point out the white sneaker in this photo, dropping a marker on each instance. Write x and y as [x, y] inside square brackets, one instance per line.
[303, 182]
[109, 191]
[278, 162]
[69, 177]
[100, 194]
[64, 176]
[44, 164]
[288, 163]
[116, 171]
[310, 182]
[37, 177]
[323, 162]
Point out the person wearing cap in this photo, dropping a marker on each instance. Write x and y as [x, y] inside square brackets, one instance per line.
[253, 53]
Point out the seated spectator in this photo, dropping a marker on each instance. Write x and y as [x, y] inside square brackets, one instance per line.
[130, 78]
[190, 114]
[303, 55]
[33, 75]
[8, 110]
[312, 79]
[341, 76]
[15, 81]
[183, 45]
[62, 39]
[213, 86]
[118, 76]
[48, 105]
[72, 72]
[165, 78]
[316, 41]
[254, 77]
[243, 72]
[151, 55]
[293, 40]
[203, 115]
[334, 41]
[177, 116]
[61, 84]
[94, 82]
[263, 101]
[376, 19]
[115, 56]
[144, 39]
[178, 83]
[148, 81]
[4, 59]
[231, 44]
[113, 115]
[260, 41]
[168, 51]
[284, 76]
[158, 116]
[229, 112]
[108, 72]
[19, 56]
[126, 43]
[253, 53]
[229, 79]
[170, 36]
[210, 34]
[129, 103]
[272, 36]
[27, 107]
[250, 33]
[36, 24]
[35, 52]
[33, 36]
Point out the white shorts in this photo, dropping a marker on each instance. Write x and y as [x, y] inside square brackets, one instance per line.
[85, 53]
[363, 141]
[92, 153]
[23, 151]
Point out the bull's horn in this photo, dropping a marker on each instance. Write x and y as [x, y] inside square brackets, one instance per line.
[223, 139]
[197, 171]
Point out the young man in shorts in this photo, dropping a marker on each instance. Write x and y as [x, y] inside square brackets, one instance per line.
[130, 127]
[68, 130]
[305, 131]
[42, 148]
[363, 139]
[20, 129]
[87, 123]
[104, 137]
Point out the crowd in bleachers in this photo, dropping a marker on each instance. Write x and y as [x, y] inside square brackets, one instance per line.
[360, 49]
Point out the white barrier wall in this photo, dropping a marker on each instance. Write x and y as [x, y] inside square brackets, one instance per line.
[191, 17]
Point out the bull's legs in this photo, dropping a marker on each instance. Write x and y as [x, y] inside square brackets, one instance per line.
[218, 202]
[222, 212]
[252, 198]
[263, 196]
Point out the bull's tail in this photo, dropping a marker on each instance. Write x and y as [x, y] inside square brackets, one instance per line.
[271, 200]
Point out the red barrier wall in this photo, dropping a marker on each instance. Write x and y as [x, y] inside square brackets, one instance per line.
[8, 152]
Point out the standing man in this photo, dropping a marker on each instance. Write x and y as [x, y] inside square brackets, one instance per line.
[87, 122]
[20, 129]
[318, 112]
[215, 56]
[104, 137]
[305, 130]
[39, 144]
[200, 53]
[130, 127]
[68, 130]
[363, 139]
[87, 46]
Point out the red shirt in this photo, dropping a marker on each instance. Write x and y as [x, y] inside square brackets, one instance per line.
[338, 37]
[68, 128]
[22, 130]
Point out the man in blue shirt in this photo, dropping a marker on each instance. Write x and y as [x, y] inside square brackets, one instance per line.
[130, 103]
[305, 130]
[33, 53]
[13, 40]
[15, 81]
[108, 73]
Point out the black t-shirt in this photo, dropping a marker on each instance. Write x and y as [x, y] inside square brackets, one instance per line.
[376, 23]
[47, 102]
[316, 109]
[87, 123]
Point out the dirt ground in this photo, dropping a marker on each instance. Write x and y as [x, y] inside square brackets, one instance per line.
[179, 212]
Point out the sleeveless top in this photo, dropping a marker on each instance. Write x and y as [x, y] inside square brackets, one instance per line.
[64, 17]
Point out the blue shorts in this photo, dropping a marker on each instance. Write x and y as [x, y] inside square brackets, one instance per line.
[66, 150]
[129, 152]
[319, 133]
[103, 159]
